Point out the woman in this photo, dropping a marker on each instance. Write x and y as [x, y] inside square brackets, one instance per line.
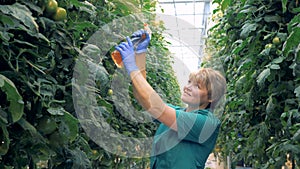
[186, 136]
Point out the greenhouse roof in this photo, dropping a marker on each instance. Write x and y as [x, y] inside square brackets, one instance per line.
[186, 22]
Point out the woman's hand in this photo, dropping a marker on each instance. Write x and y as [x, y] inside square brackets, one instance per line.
[143, 42]
[127, 52]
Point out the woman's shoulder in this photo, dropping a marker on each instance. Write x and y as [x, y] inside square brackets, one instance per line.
[209, 115]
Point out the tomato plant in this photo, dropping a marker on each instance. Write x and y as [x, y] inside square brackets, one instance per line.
[257, 45]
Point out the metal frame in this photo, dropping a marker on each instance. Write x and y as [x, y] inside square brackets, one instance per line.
[174, 1]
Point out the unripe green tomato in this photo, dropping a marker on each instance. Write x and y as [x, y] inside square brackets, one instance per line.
[276, 40]
[110, 92]
[269, 45]
[51, 7]
[57, 139]
[60, 14]
[46, 125]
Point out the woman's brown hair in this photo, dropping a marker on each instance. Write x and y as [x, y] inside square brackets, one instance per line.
[214, 82]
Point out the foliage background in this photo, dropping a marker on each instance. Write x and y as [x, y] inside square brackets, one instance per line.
[261, 123]
[38, 123]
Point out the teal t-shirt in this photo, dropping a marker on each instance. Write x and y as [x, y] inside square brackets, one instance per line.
[189, 146]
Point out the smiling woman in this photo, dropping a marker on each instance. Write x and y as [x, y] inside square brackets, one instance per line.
[183, 132]
[205, 87]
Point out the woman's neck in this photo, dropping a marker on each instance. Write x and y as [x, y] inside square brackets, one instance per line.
[191, 107]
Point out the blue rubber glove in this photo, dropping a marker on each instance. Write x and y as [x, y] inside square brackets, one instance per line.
[142, 44]
[128, 57]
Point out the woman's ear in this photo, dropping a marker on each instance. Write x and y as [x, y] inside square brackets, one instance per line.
[210, 100]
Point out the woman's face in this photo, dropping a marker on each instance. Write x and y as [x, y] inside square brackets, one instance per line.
[195, 95]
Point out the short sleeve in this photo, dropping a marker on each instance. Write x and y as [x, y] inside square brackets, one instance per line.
[196, 127]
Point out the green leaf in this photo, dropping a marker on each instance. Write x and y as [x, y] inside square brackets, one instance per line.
[5, 36]
[284, 3]
[93, 52]
[16, 104]
[31, 129]
[248, 9]
[217, 1]
[3, 117]
[296, 10]
[79, 158]
[2, 82]
[81, 72]
[272, 18]
[275, 66]
[56, 111]
[247, 28]
[293, 22]
[270, 106]
[297, 91]
[225, 4]
[75, 3]
[263, 76]
[72, 124]
[88, 7]
[4, 140]
[296, 136]
[241, 46]
[24, 43]
[8, 21]
[292, 41]
[27, 126]
[295, 149]
[241, 82]
[278, 60]
[22, 13]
